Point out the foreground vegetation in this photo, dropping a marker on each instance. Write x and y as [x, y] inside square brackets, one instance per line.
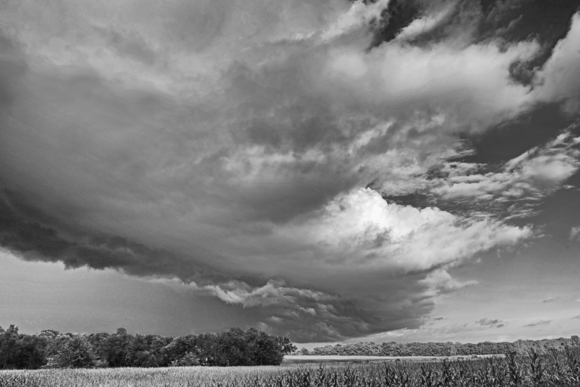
[557, 368]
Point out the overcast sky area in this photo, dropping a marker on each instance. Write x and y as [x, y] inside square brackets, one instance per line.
[329, 170]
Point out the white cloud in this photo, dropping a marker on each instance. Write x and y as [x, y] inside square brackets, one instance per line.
[513, 189]
[440, 281]
[274, 292]
[559, 80]
[363, 229]
[398, 79]
[357, 17]
[428, 22]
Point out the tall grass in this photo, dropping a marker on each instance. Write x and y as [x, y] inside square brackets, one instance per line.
[561, 369]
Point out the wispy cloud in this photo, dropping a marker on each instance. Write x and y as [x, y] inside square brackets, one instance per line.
[538, 323]
[513, 190]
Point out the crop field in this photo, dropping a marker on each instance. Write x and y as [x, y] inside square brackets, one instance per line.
[356, 359]
[560, 369]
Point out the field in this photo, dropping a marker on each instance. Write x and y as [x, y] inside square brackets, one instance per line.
[339, 359]
[560, 369]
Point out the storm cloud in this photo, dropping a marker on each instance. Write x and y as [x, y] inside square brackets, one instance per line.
[247, 148]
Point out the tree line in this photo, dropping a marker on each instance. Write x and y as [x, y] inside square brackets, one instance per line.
[442, 349]
[52, 349]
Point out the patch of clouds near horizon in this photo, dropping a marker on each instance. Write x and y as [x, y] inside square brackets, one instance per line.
[232, 151]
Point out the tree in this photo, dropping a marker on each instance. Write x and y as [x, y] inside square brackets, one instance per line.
[8, 347]
[286, 345]
[31, 352]
[232, 348]
[236, 347]
[73, 352]
[145, 352]
[266, 349]
[116, 349]
[178, 348]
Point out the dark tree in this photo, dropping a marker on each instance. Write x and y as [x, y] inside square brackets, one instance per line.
[73, 352]
[116, 349]
[9, 347]
[236, 347]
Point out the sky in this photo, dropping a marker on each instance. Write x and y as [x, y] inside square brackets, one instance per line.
[333, 170]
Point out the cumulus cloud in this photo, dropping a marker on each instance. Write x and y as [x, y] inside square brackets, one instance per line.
[361, 227]
[230, 143]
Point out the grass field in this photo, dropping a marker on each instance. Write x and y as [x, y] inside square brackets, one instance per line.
[557, 369]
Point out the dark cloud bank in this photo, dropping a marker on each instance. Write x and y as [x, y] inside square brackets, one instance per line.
[256, 170]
